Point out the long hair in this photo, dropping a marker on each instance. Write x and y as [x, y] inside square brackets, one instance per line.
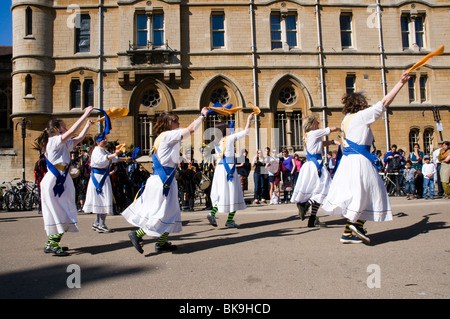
[309, 123]
[354, 102]
[52, 127]
[164, 122]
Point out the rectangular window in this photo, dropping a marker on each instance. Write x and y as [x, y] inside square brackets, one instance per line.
[218, 30]
[419, 30]
[350, 81]
[346, 30]
[411, 88]
[150, 30]
[158, 29]
[423, 88]
[404, 21]
[28, 21]
[144, 124]
[75, 94]
[291, 30]
[142, 30]
[275, 31]
[88, 92]
[83, 34]
[293, 139]
[413, 31]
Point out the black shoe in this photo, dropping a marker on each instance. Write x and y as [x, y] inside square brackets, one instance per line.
[302, 209]
[49, 249]
[312, 221]
[136, 241]
[166, 247]
[60, 252]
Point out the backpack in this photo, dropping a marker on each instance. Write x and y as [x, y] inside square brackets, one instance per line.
[395, 164]
[40, 168]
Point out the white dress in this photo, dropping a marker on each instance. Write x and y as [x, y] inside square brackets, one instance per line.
[152, 211]
[309, 185]
[59, 212]
[103, 203]
[357, 191]
[228, 195]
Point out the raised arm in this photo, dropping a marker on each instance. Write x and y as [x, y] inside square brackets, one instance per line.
[387, 100]
[195, 124]
[70, 132]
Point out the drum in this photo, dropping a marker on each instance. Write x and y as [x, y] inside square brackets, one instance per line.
[205, 182]
[74, 172]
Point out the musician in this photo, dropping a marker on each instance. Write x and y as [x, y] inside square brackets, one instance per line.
[207, 167]
[74, 171]
[188, 168]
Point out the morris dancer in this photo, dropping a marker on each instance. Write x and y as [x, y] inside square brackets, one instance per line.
[157, 211]
[357, 192]
[59, 209]
[226, 192]
[313, 180]
[99, 194]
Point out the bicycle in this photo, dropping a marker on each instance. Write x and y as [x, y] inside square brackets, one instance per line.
[18, 196]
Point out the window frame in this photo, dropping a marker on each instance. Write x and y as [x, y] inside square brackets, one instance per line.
[79, 37]
[150, 29]
[346, 31]
[218, 31]
[351, 88]
[283, 41]
[413, 32]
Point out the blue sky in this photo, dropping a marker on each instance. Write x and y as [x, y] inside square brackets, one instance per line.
[5, 22]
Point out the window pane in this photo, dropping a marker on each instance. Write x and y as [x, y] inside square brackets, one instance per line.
[292, 38]
[275, 22]
[346, 22]
[141, 22]
[218, 39]
[419, 39]
[142, 38]
[291, 22]
[217, 22]
[412, 94]
[158, 21]
[418, 23]
[346, 39]
[404, 21]
[405, 40]
[158, 37]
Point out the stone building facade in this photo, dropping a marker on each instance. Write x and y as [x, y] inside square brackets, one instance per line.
[291, 58]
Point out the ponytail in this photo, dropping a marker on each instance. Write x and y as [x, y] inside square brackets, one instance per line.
[52, 127]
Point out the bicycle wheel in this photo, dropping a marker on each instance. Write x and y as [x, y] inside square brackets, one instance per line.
[27, 201]
[10, 201]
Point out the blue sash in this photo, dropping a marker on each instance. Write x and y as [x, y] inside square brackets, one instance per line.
[225, 161]
[363, 150]
[58, 189]
[165, 173]
[315, 159]
[99, 185]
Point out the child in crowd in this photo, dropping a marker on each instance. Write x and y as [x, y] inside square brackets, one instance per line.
[409, 174]
[428, 171]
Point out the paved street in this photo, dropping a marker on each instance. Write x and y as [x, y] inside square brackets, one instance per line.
[272, 256]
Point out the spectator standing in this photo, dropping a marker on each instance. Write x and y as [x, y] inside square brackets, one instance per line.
[258, 163]
[273, 170]
[298, 165]
[243, 168]
[428, 171]
[409, 175]
[444, 159]
[287, 167]
[437, 165]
